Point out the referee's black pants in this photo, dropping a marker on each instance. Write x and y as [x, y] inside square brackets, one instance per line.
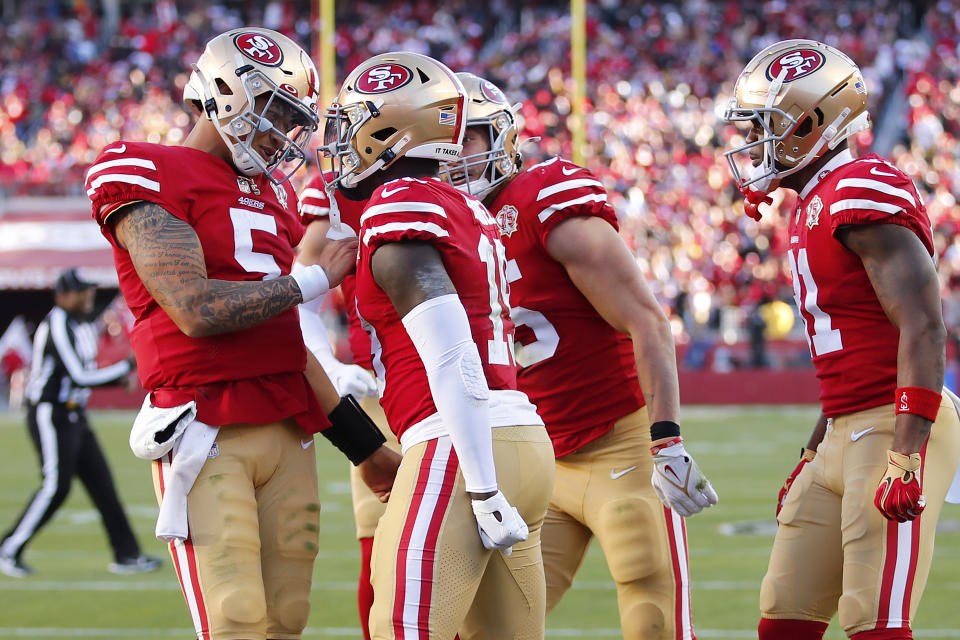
[67, 447]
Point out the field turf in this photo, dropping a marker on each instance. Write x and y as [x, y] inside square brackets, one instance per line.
[746, 453]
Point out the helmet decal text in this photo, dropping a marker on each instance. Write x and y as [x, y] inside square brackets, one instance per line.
[796, 64]
[383, 78]
[259, 48]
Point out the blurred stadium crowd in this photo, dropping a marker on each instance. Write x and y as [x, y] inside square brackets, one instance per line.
[659, 77]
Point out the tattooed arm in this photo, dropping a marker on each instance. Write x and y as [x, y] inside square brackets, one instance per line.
[904, 278]
[169, 260]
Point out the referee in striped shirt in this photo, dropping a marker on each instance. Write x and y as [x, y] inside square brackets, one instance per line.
[63, 370]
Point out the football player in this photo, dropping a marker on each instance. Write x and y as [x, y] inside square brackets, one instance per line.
[587, 328]
[857, 516]
[431, 293]
[319, 211]
[203, 239]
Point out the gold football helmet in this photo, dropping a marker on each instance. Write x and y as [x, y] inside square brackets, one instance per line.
[394, 105]
[487, 107]
[807, 96]
[250, 81]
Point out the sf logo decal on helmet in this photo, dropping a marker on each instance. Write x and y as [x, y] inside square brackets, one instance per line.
[259, 48]
[383, 78]
[492, 92]
[797, 64]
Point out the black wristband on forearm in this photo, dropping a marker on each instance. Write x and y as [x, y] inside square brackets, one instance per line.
[664, 429]
[352, 431]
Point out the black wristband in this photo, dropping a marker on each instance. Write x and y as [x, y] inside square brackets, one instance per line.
[352, 431]
[664, 429]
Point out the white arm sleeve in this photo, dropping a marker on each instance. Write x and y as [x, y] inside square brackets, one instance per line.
[312, 327]
[440, 331]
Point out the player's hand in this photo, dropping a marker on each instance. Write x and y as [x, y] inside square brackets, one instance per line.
[350, 378]
[379, 470]
[678, 481]
[338, 258]
[806, 456]
[752, 199]
[499, 523]
[900, 496]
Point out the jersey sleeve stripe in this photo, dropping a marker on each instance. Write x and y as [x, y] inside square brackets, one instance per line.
[876, 185]
[120, 162]
[313, 193]
[549, 211]
[153, 185]
[314, 210]
[566, 186]
[428, 227]
[858, 203]
[402, 207]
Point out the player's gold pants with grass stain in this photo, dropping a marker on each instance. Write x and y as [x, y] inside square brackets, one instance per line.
[253, 514]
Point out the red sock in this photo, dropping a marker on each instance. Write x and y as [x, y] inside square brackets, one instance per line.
[364, 588]
[791, 629]
[884, 634]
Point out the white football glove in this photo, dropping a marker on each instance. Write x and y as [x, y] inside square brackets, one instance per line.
[499, 523]
[679, 483]
[350, 378]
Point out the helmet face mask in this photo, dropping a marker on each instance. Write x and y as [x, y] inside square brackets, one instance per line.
[806, 97]
[393, 105]
[488, 110]
[259, 89]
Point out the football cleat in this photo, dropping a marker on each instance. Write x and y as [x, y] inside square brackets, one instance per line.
[139, 564]
[14, 567]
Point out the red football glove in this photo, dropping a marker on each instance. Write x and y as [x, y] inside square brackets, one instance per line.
[899, 496]
[805, 457]
[752, 199]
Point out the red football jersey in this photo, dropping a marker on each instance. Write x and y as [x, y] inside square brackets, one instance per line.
[577, 369]
[852, 342]
[248, 229]
[461, 229]
[315, 205]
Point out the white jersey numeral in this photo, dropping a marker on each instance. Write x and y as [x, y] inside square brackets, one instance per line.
[547, 338]
[823, 338]
[500, 347]
[244, 222]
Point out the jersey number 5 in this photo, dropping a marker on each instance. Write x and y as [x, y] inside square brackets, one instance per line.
[244, 222]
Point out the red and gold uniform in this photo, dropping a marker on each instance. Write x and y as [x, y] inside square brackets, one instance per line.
[428, 535]
[248, 382]
[565, 350]
[828, 519]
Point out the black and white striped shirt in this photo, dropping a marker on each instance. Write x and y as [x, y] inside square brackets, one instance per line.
[65, 361]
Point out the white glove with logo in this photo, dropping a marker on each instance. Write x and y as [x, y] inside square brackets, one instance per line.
[678, 481]
[350, 378]
[500, 523]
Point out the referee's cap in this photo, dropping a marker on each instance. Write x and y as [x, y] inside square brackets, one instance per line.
[70, 280]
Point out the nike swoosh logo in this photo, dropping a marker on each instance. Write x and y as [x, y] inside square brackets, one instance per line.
[614, 474]
[856, 435]
[386, 193]
[119, 149]
[877, 172]
[571, 171]
[305, 445]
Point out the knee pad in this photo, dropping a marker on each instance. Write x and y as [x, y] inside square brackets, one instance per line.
[790, 629]
[290, 615]
[243, 607]
[630, 533]
[643, 620]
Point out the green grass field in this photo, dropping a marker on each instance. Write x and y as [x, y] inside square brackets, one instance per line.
[745, 453]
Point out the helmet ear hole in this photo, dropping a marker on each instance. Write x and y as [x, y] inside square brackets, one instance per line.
[223, 87]
[804, 128]
[383, 134]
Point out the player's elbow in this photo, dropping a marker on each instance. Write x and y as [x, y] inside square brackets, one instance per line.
[192, 325]
[926, 328]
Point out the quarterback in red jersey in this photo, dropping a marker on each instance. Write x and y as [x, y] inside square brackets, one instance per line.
[320, 213]
[857, 516]
[203, 239]
[459, 543]
[587, 324]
